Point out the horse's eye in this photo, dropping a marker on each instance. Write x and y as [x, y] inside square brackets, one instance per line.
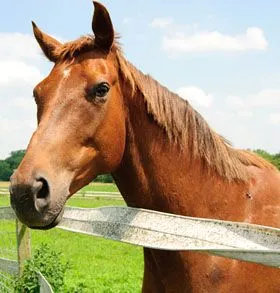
[102, 89]
[98, 92]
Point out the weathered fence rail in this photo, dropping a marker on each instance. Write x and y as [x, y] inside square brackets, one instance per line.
[157, 230]
[103, 194]
[7, 213]
[9, 266]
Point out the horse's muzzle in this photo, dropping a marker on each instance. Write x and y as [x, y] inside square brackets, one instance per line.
[32, 202]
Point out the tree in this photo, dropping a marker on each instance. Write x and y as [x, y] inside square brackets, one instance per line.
[5, 171]
[8, 165]
[106, 178]
[11, 163]
[276, 160]
[273, 159]
[15, 158]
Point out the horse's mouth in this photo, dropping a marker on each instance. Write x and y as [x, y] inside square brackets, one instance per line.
[54, 223]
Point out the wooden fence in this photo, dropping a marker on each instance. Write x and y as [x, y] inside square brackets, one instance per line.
[235, 240]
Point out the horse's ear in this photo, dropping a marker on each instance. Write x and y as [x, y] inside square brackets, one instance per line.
[46, 42]
[102, 27]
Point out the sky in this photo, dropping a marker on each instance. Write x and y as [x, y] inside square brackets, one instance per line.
[222, 56]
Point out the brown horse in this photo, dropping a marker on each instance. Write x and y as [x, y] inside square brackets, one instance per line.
[97, 114]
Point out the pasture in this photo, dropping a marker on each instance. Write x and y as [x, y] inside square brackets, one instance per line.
[97, 264]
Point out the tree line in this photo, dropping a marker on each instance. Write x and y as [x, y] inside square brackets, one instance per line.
[8, 165]
[272, 158]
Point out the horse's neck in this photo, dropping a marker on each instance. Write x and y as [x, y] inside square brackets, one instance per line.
[153, 168]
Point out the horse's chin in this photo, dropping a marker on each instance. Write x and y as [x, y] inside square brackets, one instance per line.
[52, 224]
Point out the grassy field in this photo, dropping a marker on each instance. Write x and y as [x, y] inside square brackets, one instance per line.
[4, 184]
[101, 187]
[100, 265]
[106, 187]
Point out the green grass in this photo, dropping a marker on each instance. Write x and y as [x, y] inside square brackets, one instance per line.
[75, 201]
[8, 240]
[101, 187]
[4, 200]
[4, 184]
[100, 265]
[85, 202]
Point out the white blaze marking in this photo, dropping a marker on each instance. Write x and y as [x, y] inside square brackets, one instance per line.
[66, 73]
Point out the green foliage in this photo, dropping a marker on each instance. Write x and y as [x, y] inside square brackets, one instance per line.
[274, 159]
[50, 263]
[15, 158]
[5, 170]
[6, 282]
[106, 178]
[8, 165]
[29, 281]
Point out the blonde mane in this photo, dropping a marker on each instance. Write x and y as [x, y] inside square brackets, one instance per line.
[183, 125]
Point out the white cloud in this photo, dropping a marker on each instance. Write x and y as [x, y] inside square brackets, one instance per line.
[13, 71]
[265, 98]
[161, 22]
[210, 41]
[245, 113]
[235, 102]
[195, 95]
[23, 103]
[239, 106]
[274, 118]
[20, 69]
[18, 46]
[236, 117]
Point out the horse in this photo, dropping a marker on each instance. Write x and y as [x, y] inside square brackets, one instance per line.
[97, 113]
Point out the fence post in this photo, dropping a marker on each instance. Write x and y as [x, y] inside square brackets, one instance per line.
[23, 244]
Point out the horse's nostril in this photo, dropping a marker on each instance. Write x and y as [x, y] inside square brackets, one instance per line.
[43, 191]
[41, 194]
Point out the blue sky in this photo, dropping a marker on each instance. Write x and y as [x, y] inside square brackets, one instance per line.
[223, 56]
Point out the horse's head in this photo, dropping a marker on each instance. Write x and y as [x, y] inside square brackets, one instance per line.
[81, 126]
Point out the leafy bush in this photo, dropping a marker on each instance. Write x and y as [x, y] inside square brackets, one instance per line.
[106, 178]
[50, 263]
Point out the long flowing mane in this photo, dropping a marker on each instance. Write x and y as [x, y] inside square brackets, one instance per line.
[182, 124]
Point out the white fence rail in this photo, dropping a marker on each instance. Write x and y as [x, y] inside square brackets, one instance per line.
[45, 287]
[253, 243]
[157, 230]
[9, 266]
